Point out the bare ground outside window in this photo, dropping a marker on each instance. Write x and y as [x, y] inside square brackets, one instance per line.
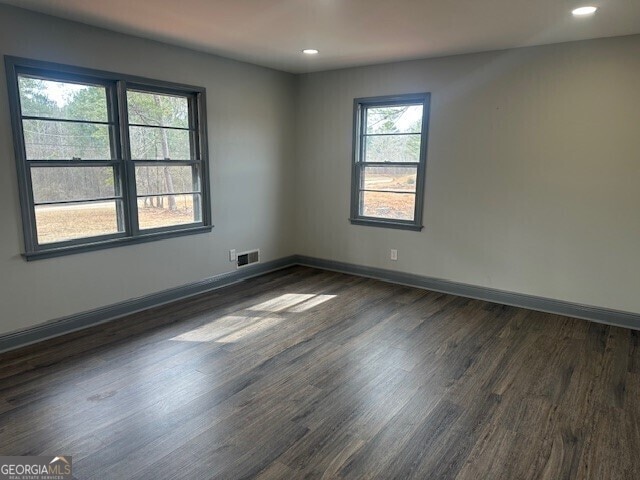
[385, 204]
[66, 222]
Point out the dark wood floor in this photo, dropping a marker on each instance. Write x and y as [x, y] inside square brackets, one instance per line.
[311, 374]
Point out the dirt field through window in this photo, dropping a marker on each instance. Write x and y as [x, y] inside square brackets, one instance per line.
[67, 222]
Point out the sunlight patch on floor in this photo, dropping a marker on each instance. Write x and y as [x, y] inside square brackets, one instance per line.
[232, 328]
[213, 330]
[263, 324]
[312, 302]
[293, 302]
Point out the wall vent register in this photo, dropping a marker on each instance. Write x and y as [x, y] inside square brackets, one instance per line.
[248, 258]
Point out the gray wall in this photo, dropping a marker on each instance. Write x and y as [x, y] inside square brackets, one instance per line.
[250, 121]
[533, 170]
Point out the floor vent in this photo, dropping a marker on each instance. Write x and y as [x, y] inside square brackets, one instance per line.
[248, 258]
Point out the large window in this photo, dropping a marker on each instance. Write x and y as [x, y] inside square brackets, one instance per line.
[105, 159]
[389, 160]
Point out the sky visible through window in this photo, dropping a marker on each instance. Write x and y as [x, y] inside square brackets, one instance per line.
[61, 93]
[410, 117]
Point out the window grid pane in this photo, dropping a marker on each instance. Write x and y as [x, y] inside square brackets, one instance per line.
[392, 148]
[393, 118]
[59, 223]
[387, 205]
[51, 140]
[73, 183]
[160, 144]
[157, 109]
[166, 179]
[162, 211]
[392, 178]
[56, 99]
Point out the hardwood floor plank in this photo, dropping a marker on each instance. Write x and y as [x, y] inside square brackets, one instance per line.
[310, 374]
[275, 471]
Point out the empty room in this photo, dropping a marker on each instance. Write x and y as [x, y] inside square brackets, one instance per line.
[319, 239]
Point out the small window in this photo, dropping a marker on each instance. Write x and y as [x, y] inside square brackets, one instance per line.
[389, 161]
[105, 159]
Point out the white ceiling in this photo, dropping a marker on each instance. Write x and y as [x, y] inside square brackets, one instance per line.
[347, 32]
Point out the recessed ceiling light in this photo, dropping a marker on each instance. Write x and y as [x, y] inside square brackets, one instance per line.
[310, 51]
[582, 11]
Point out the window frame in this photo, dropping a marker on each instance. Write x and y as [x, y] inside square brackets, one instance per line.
[360, 107]
[116, 86]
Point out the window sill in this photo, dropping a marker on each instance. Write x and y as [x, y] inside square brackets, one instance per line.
[367, 222]
[117, 242]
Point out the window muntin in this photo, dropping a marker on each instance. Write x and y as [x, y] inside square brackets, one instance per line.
[389, 160]
[81, 187]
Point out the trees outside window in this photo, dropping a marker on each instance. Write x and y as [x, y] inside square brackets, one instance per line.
[105, 159]
[389, 161]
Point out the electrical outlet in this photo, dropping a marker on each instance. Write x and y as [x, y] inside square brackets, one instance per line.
[232, 255]
[394, 254]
